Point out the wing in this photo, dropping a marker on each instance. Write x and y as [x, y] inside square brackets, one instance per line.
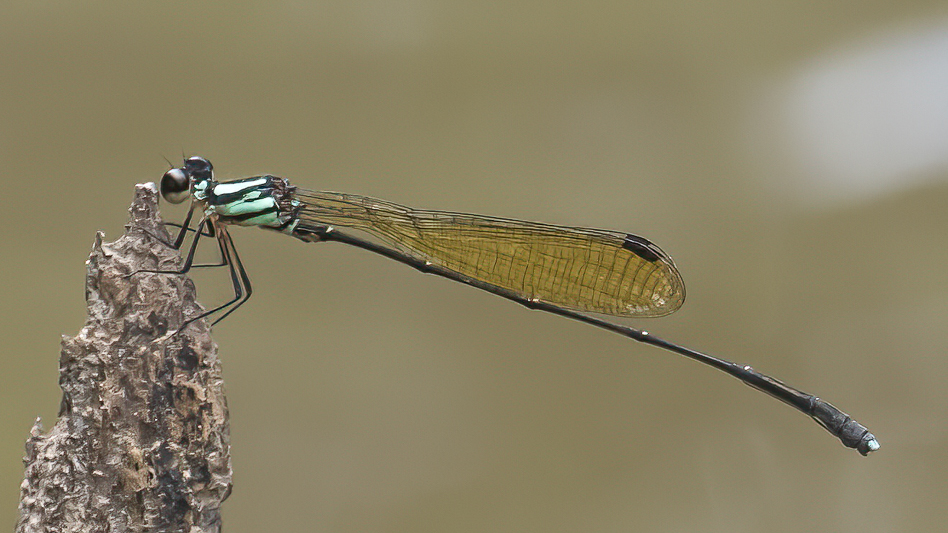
[582, 269]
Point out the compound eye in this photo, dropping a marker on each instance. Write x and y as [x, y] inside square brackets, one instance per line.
[175, 186]
[199, 168]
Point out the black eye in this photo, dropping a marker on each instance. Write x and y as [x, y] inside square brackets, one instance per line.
[175, 186]
[199, 168]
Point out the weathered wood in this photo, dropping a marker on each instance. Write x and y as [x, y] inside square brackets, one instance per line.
[142, 441]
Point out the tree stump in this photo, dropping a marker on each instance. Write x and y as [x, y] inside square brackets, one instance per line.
[142, 442]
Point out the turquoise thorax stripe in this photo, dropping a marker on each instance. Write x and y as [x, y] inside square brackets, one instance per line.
[245, 206]
[244, 185]
[247, 202]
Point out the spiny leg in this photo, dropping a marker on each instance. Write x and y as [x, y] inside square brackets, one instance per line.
[207, 228]
[204, 229]
[211, 232]
[187, 229]
[238, 277]
[189, 260]
[245, 279]
[184, 228]
[198, 233]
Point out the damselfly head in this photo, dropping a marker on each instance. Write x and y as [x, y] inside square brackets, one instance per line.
[198, 168]
[176, 183]
[175, 186]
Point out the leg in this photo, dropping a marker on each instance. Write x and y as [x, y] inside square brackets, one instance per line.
[205, 230]
[185, 228]
[220, 245]
[238, 276]
[245, 279]
[189, 260]
[180, 226]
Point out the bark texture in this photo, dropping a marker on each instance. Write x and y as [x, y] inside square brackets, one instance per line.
[142, 442]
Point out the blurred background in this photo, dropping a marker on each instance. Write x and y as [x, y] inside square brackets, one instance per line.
[792, 157]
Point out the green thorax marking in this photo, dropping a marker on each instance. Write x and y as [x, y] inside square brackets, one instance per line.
[260, 201]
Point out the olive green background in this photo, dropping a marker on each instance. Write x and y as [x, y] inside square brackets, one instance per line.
[365, 396]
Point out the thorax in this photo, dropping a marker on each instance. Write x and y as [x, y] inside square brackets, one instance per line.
[265, 201]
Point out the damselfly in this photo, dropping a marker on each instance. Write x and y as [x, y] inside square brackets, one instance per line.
[577, 273]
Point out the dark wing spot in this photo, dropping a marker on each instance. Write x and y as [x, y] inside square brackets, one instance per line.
[642, 247]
